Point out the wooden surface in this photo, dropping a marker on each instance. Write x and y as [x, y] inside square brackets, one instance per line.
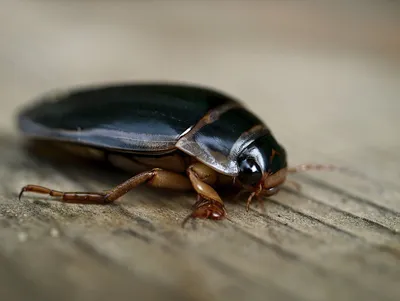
[326, 80]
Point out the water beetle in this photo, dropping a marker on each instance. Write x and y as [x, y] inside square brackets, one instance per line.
[170, 135]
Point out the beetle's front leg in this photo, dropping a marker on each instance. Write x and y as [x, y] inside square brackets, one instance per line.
[209, 203]
[155, 177]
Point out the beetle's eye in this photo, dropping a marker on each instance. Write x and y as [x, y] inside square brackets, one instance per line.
[249, 171]
[272, 190]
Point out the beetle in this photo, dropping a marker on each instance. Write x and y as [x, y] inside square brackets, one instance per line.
[170, 135]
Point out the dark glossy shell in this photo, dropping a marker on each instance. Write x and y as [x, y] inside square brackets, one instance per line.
[148, 118]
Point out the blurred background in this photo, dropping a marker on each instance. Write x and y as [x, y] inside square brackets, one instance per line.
[324, 77]
[321, 76]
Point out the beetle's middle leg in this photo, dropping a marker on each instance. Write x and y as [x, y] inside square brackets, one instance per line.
[156, 178]
[209, 203]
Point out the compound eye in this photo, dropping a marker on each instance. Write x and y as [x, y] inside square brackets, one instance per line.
[271, 191]
[249, 171]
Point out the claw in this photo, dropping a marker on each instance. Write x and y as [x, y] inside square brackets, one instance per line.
[249, 201]
[21, 193]
[207, 209]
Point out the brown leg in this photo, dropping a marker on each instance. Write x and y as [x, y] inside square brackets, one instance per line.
[155, 178]
[209, 204]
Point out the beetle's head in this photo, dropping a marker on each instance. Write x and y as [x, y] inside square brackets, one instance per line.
[262, 166]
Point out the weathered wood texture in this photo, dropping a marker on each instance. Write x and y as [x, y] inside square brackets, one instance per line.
[327, 83]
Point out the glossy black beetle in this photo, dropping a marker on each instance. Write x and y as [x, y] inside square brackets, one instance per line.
[170, 135]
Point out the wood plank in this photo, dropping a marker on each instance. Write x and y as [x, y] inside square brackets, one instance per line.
[145, 227]
[326, 82]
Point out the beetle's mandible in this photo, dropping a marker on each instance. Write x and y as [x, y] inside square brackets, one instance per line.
[176, 136]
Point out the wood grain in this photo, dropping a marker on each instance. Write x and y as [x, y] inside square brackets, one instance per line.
[337, 102]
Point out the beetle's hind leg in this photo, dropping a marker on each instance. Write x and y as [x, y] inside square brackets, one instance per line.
[67, 197]
[200, 177]
[155, 178]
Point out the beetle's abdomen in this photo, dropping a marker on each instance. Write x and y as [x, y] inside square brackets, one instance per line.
[143, 117]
